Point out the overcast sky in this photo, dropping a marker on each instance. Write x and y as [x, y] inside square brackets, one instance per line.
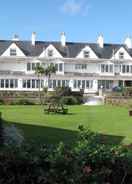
[82, 20]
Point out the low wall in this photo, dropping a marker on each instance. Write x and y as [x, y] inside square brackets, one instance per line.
[118, 100]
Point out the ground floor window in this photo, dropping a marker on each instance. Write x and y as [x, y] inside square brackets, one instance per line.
[32, 83]
[106, 84]
[58, 83]
[9, 83]
[83, 84]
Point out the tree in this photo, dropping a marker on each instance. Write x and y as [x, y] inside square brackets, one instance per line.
[40, 71]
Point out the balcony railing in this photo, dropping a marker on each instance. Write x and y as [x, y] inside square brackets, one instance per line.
[8, 72]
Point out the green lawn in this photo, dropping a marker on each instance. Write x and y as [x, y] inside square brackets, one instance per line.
[113, 122]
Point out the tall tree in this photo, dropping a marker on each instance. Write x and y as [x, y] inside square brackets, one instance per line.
[40, 72]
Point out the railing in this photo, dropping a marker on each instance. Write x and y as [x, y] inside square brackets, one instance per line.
[8, 72]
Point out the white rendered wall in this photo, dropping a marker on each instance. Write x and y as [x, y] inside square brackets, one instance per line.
[13, 46]
[56, 53]
[126, 55]
[92, 55]
[13, 66]
[91, 68]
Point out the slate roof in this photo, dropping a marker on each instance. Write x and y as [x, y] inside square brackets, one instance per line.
[71, 50]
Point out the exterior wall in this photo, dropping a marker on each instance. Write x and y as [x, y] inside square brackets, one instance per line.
[126, 55]
[13, 46]
[91, 68]
[13, 66]
[92, 55]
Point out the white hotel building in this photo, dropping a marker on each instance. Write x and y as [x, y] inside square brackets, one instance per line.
[86, 66]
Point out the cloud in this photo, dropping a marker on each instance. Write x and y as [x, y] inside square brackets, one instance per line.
[74, 7]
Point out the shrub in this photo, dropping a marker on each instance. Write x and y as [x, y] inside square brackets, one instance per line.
[13, 136]
[23, 102]
[2, 102]
[1, 131]
[69, 100]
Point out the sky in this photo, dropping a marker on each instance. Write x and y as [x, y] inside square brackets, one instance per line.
[81, 20]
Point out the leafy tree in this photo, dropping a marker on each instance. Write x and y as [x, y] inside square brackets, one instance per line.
[47, 72]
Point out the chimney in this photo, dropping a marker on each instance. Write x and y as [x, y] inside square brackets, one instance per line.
[15, 37]
[63, 39]
[33, 38]
[100, 41]
[128, 42]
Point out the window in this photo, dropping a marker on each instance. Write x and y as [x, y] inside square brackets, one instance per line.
[50, 83]
[24, 84]
[33, 66]
[106, 68]
[2, 83]
[126, 68]
[79, 83]
[13, 52]
[59, 83]
[83, 84]
[11, 83]
[86, 54]
[80, 66]
[63, 83]
[50, 53]
[33, 83]
[54, 84]
[7, 83]
[121, 55]
[16, 83]
[28, 84]
[107, 84]
[60, 67]
[28, 66]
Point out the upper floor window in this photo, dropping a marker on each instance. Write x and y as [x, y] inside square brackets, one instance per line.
[86, 54]
[80, 66]
[32, 66]
[106, 68]
[121, 55]
[50, 53]
[126, 68]
[59, 67]
[13, 52]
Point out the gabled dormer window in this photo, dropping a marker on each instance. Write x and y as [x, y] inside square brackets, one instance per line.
[50, 53]
[13, 52]
[86, 54]
[121, 55]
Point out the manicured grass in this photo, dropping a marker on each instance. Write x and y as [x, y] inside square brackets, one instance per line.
[113, 122]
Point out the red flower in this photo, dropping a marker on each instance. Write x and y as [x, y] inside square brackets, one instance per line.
[87, 170]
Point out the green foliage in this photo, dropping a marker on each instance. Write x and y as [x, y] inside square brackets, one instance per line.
[85, 162]
[69, 100]
[1, 131]
[2, 102]
[23, 102]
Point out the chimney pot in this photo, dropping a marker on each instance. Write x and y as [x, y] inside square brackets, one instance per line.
[33, 38]
[63, 39]
[100, 41]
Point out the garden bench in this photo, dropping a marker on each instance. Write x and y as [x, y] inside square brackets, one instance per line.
[55, 108]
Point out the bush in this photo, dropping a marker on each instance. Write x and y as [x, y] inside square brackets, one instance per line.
[12, 136]
[1, 130]
[69, 100]
[2, 102]
[23, 102]
[87, 161]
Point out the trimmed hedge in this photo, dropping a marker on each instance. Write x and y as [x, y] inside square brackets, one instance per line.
[22, 102]
[69, 100]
